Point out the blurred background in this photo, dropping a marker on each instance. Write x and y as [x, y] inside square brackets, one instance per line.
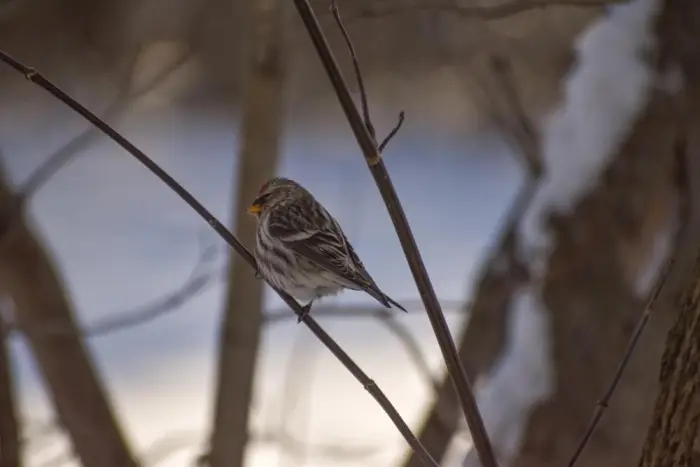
[134, 336]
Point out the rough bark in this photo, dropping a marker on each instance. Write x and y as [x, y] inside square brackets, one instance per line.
[673, 438]
[593, 305]
[600, 248]
[9, 431]
[28, 276]
[676, 420]
[262, 125]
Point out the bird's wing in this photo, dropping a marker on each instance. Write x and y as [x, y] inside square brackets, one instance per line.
[316, 236]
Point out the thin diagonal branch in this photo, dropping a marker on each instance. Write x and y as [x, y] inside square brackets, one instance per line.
[484, 12]
[684, 196]
[69, 151]
[356, 66]
[408, 243]
[36, 78]
[524, 130]
[367, 120]
[393, 132]
[64, 155]
[198, 282]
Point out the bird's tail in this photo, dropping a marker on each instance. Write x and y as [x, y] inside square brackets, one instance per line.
[384, 299]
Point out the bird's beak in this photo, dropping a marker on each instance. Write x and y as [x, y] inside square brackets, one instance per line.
[255, 208]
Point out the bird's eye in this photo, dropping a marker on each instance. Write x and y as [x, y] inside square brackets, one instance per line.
[262, 199]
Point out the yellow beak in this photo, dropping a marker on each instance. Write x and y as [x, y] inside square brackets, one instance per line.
[255, 209]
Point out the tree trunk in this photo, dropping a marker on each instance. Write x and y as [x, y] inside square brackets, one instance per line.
[676, 421]
[590, 295]
[9, 432]
[263, 119]
[29, 277]
[673, 438]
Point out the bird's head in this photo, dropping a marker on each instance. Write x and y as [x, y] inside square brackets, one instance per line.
[272, 192]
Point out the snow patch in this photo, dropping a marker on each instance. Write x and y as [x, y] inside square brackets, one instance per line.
[603, 96]
[520, 380]
[661, 249]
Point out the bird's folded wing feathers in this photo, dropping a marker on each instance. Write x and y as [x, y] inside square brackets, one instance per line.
[325, 245]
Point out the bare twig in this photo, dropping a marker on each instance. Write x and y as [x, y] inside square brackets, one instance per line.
[486, 12]
[198, 282]
[66, 154]
[361, 83]
[524, 131]
[356, 66]
[35, 77]
[393, 132]
[356, 311]
[170, 443]
[408, 243]
[336, 452]
[682, 185]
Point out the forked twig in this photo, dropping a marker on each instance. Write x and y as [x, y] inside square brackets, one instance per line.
[361, 83]
[524, 131]
[371, 387]
[393, 132]
[356, 65]
[683, 187]
[373, 158]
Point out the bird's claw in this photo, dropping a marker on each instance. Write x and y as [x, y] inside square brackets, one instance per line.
[304, 312]
[257, 274]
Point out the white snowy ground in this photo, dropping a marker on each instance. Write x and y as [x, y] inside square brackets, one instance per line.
[122, 239]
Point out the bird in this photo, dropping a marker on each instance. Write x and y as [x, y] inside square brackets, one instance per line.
[301, 249]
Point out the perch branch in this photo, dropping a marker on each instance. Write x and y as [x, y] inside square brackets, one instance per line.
[36, 78]
[381, 176]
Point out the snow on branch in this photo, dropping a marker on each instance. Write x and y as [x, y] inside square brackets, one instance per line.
[603, 96]
[520, 380]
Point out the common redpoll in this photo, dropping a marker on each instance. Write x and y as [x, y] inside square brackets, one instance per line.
[301, 249]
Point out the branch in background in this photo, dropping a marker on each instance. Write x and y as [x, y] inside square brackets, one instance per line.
[357, 311]
[298, 377]
[29, 277]
[126, 97]
[488, 13]
[483, 338]
[682, 182]
[33, 76]
[69, 151]
[198, 282]
[361, 84]
[9, 431]
[258, 154]
[523, 130]
[381, 176]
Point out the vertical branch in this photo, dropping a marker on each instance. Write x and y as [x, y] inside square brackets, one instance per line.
[262, 126]
[9, 432]
[80, 399]
[376, 166]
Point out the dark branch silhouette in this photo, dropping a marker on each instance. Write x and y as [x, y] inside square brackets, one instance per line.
[683, 188]
[35, 77]
[376, 166]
